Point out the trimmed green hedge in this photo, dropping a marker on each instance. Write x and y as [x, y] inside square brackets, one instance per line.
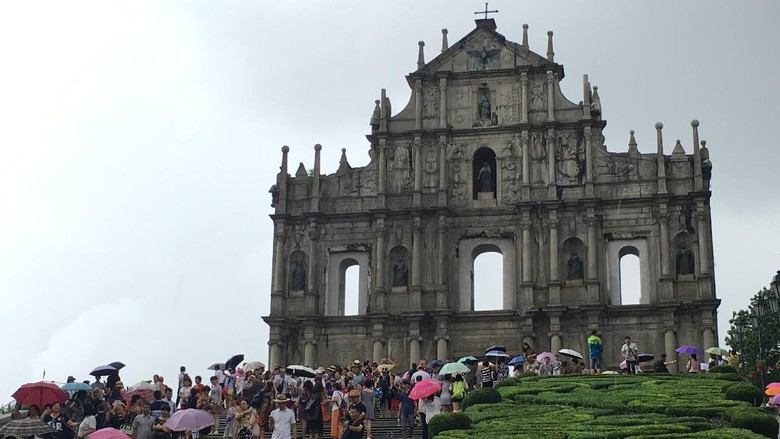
[724, 369]
[756, 421]
[448, 421]
[481, 396]
[745, 392]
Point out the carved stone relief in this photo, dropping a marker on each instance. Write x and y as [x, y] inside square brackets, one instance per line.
[483, 53]
[400, 174]
[458, 194]
[538, 151]
[462, 105]
[570, 163]
[431, 102]
[505, 106]
[431, 167]
[538, 100]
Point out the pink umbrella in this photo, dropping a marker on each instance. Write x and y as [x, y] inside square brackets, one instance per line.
[108, 433]
[770, 385]
[540, 357]
[623, 365]
[425, 388]
[145, 394]
[190, 419]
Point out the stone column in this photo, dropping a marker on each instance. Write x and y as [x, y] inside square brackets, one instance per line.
[698, 183]
[379, 305]
[274, 354]
[554, 270]
[442, 346]
[443, 103]
[414, 349]
[708, 337]
[277, 291]
[526, 186]
[552, 148]
[417, 196]
[308, 353]
[314, 204]
[418, 105]
[524, 99]
[701, 220]
[660, 159]
[588, 163]
[670, 344]
[281, 182]
[555, 342]
[312, 287]
[415, 302]
[441, 294]
[379, 347]
[663, 220]
[382, 178]
[550, 96]
[442, 170]
[526, 225]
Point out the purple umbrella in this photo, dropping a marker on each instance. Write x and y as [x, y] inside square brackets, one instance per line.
[775, 399]
[687, 349]
[190, 419]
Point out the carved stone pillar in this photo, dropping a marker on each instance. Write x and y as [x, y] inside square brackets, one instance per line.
[701, 221]
[526, 225]
[524, 99]
[698, 182]
[442, 170]
[588, 163]
[441, 293]
[555, 342]
[550, 96]
[277, 291]
[661, 160]
[555, 286]
[592, 273]
[663, 220]
[379, 296]
[552, 147]
[415, 302]
[708, 337]
[670, 344]
[443, 103]
[275, 354]
[526, 186]
[417, 196]
[379, 347]
[312, 286]
[314, 204]
[418, 105]
[308, 353]
[382, 178]
[442, 346]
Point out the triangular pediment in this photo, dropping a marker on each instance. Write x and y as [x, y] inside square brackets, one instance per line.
[482, 49]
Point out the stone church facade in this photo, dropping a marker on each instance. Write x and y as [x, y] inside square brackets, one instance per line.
[489, 156]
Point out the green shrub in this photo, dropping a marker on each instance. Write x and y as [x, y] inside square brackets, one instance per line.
[448, 421]
[481, 396]
[758, 422]
[505, 382]
[724, 376]
[745, 392]
[726, 386]
[528, 375]
[723, 369]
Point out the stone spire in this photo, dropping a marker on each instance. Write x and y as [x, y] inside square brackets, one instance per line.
[343, 163]
[444, 44]
[421, 55]
[281, 182]
[525, 36]
[632, 147]
[698, 183]
[314, 205]
[661, 161]
[550, 53]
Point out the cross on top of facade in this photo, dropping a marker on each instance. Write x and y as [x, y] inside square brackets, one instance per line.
[486, 11]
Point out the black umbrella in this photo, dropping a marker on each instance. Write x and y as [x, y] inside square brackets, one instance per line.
[103, 371]
[644, 357]
[118, 365]
[234, 361]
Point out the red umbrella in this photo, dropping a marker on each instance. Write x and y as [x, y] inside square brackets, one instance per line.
[145, 394]
[40, 394]
[424, 388]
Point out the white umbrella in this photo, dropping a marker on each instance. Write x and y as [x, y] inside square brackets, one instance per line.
[570, 353]
[143, 385]
[252, 365]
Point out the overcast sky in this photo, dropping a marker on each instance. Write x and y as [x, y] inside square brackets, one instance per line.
[138, 141]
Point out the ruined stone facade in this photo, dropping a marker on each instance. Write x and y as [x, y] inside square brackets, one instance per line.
[489, 156]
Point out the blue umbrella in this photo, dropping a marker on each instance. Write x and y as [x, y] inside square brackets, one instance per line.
[75, 387]
[517, 360]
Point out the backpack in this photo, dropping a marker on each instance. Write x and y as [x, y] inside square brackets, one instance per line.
[257, 400]
[311, 406]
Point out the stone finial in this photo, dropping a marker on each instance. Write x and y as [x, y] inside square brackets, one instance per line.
[695, 123]
[318, 147]
[344, 166]
[632, 147]
[659, 126]
[285, 149]
[444, 44]
[421, 55]
[525, 36]
[595, 102]
[550, 53]
[376, 116]
[301, 172]
[678, 148]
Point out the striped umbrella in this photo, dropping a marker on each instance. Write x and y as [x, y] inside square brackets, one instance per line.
[26, 427]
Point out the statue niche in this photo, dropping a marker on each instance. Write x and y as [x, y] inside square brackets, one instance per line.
[574, 265]
[400, 267]
[685, 262]
[484, 174]
[297, 275]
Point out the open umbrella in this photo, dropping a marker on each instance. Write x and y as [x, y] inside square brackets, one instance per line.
[75, 387]
[252, 365]
[717, 351]
[775, 400]
[26, 427]
[688, 349]
[384, 367]
[104, 370]
[570, 353]
[540, 357]
[420, 373]
[772, 385]
[496, 354]
[234, 361]
[301, 371]
[772, 391]
[118, 365]
[40, 394]
[108, 433]
[495, 347]
[190, 419]
[467, 359]
[454, 368]
[517, 360]
[642, 357]
[143, 385]
[436, 363]
[216, 366]
[424, 388]
[145, 394]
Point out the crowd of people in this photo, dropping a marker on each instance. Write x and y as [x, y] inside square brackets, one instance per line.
[348, 398]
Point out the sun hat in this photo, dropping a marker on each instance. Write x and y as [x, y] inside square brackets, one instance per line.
[354, 392]
[281, 398]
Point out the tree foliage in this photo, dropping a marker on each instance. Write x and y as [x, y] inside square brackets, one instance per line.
[758, 361]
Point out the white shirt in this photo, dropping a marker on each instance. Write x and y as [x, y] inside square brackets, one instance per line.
[430, 408]
[283, 422]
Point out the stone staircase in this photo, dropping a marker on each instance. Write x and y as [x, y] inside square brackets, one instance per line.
[381, 428]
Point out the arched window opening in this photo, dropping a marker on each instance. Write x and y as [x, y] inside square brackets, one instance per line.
[488, 282]
[484, 174]
[351, 290]
[630, 277]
